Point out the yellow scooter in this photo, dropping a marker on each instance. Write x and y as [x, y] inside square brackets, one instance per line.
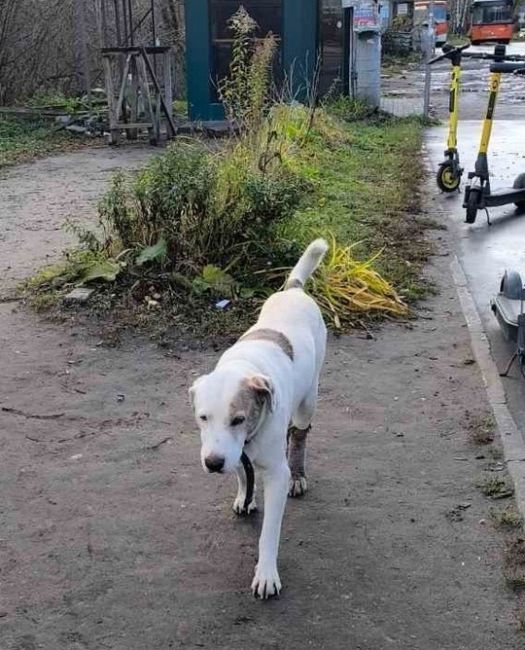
[449, 172]
[478, 193]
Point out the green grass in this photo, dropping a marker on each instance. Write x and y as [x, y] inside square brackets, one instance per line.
[457, 39]
[367, 192]
[481, 429]
[509, 517]
[23, 140]
[495, 487]
[180, 108]
[361, 180]
[514, 564]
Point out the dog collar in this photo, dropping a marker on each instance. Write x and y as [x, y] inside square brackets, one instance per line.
[247, 463]
[250, 480]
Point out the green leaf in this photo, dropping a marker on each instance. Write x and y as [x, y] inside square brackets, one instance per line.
[156, 253]
[100, 270]
[216, 281]
[247, 292]
[182, 280]
[213, 275]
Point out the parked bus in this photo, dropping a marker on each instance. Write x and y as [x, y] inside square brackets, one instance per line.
[421, 14]
[492, 21]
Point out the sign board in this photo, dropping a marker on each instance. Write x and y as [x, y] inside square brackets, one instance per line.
[366, 16]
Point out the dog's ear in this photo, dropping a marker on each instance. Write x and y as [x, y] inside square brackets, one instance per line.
[264, 389]
[193, 388]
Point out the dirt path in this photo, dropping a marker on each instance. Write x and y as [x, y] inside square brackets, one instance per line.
[113, 539]
[36, 199]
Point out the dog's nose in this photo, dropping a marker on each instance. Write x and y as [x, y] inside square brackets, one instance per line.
[214, 463]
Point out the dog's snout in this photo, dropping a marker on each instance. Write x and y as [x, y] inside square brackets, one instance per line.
[214, 463]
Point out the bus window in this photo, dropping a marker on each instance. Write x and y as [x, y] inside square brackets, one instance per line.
[490, 14]
[440, 13]
[421, 13]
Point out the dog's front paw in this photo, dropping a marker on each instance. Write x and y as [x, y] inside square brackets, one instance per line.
[297, 487]
[266, 582]
[239, 509]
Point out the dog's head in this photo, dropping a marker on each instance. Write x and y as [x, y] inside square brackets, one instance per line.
[229, 407]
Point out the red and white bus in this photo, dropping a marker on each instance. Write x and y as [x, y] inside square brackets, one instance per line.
[492, 21]
[422, 14]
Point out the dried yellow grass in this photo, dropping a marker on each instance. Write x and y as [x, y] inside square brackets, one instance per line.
[345, 288]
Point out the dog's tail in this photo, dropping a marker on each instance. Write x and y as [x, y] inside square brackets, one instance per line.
[310, 260]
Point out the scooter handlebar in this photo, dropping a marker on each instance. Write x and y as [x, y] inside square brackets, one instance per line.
[505, 66]
[448, 52]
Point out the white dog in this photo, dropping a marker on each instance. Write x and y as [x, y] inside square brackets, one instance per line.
[263, 386]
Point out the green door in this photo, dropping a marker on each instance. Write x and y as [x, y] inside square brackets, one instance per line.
[208, 46]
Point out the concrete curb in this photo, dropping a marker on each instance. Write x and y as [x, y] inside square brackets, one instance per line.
[511, 438]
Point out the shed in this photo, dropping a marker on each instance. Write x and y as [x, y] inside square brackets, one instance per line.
[305, 29]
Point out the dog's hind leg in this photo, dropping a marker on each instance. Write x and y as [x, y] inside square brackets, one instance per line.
[296, 458]
[238, 504]
[297, 434]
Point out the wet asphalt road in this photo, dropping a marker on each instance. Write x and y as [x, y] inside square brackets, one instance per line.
[405, 93]
[485, 252]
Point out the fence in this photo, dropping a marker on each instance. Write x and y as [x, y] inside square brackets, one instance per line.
[409, 91]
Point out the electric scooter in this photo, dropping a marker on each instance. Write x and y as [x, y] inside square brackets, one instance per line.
[449, 172]
[508, 307]
[478, 193]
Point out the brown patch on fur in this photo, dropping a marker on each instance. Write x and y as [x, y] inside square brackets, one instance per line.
[297, 450]
[294, 283]
[273, 336]
[253, 394]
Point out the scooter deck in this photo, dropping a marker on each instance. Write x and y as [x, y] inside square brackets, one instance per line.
[507, 312]
[504, 196]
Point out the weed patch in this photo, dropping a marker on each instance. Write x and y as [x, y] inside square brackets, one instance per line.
[495, 487]
[199, 226]
[481, 429]
[22, 140]
[514, 564]
[509, 517]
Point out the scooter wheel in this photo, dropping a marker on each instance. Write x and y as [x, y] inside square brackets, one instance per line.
[472, 207]
[519, 184]
[447, 179]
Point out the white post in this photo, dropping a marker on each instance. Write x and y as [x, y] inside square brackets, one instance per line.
[428, 49]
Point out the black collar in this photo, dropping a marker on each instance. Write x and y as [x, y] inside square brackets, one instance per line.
[250, 480]
[247, 463]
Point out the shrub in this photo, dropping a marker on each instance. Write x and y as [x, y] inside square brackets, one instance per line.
[190, 208]
[230, 222]
[245, 93]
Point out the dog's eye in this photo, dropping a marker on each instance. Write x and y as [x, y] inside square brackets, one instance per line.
[238, 420]
[204, 418]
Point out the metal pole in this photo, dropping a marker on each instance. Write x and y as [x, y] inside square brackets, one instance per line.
[428, 51]
[352, 52]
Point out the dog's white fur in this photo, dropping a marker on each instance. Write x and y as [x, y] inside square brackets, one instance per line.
[290, 387]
